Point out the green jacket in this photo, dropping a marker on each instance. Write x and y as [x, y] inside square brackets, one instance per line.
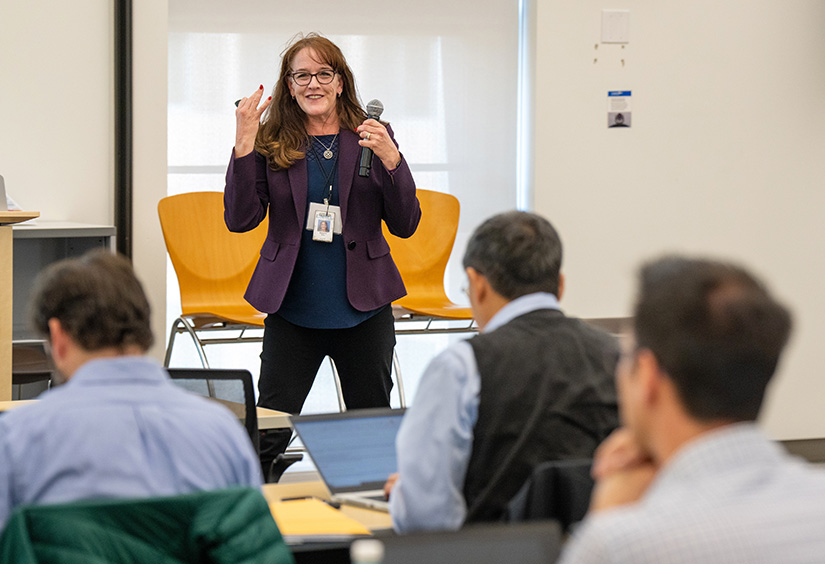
[228, 526]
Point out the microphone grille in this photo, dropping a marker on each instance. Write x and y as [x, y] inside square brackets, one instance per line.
[374, 109]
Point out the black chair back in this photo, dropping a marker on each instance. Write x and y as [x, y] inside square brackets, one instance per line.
[31, 369]
[558, 490]
[230, 387]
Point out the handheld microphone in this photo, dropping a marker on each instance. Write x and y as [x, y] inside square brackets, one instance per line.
[374, 110]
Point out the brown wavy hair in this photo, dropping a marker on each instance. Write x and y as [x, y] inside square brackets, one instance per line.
[98, 300]
[282, 136]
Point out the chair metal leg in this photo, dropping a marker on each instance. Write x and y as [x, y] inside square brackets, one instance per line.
[402, 399]
[341, 405]
[172, 334]
[190, 328]
[399, 382]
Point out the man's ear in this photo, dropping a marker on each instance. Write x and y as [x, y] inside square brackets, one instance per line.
[560, 293]
[58, 339]
[650, 376]
[478, 284]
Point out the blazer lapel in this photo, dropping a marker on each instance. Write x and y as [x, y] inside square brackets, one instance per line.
[297, 174]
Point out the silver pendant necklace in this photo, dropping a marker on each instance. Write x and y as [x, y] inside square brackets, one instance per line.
[327, 150]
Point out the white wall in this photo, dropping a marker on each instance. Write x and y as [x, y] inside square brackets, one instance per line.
[57, 121]
[150, 30]
[56, 108]
[725, 156]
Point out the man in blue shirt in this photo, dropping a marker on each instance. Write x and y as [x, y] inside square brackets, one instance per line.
[118, 427]
[535, 385]
[690, 477]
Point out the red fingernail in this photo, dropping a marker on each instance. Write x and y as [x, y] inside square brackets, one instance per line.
[261, 87]
[269, 98]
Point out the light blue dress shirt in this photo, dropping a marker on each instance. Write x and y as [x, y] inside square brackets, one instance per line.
[120, 428]
[731, 496]
[435, 440]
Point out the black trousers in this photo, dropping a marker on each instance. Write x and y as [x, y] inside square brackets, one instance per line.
[291, 357]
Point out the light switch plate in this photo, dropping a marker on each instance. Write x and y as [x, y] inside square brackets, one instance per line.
[615, 26]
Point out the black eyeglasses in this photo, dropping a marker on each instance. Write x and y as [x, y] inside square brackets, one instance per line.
[303, 78]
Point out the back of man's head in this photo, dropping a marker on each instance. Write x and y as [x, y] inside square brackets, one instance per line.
[716, 332]
[518, 252]
[97, 299]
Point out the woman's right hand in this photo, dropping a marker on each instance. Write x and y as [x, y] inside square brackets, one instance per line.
[247, 121]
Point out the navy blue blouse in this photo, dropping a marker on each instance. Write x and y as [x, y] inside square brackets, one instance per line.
[317, 294]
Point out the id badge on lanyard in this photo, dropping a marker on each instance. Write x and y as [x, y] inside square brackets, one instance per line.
[324, 221]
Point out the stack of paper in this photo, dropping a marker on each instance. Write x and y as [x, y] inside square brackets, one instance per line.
[307, 520]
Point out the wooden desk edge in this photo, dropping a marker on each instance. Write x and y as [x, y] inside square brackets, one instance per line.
[10, 217]
[11, 404]
[271, 419]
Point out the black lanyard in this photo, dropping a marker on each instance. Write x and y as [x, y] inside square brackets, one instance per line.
[327, 175]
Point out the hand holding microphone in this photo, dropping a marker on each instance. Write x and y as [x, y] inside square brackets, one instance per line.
[376, 139]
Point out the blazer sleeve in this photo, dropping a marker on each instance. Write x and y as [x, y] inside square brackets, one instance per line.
[401, 209]
[246, 196]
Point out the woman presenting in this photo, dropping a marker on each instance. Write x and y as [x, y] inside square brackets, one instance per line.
[325, 276]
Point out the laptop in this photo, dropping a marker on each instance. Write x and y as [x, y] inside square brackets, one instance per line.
[354, 452]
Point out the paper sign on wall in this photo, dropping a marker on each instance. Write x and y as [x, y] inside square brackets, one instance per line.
[618, 108]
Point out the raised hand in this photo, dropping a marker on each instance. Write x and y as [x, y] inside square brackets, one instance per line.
[247, 120]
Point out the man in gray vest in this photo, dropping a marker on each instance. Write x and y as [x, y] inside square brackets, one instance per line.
[535, 385]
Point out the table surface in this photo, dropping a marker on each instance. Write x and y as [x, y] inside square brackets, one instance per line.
[271, 419]
[5, 405]
[267, 418]
[374, 520]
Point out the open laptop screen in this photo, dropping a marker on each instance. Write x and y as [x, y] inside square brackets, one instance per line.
[354, 450]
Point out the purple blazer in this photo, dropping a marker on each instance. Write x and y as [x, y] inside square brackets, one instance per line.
[372, 277]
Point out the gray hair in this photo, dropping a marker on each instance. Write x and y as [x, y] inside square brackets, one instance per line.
[518, 252]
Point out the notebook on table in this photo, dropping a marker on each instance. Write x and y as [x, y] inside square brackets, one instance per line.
[354, 452]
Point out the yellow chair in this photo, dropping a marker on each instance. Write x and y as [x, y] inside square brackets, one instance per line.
[213, 267]
[422, 261]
